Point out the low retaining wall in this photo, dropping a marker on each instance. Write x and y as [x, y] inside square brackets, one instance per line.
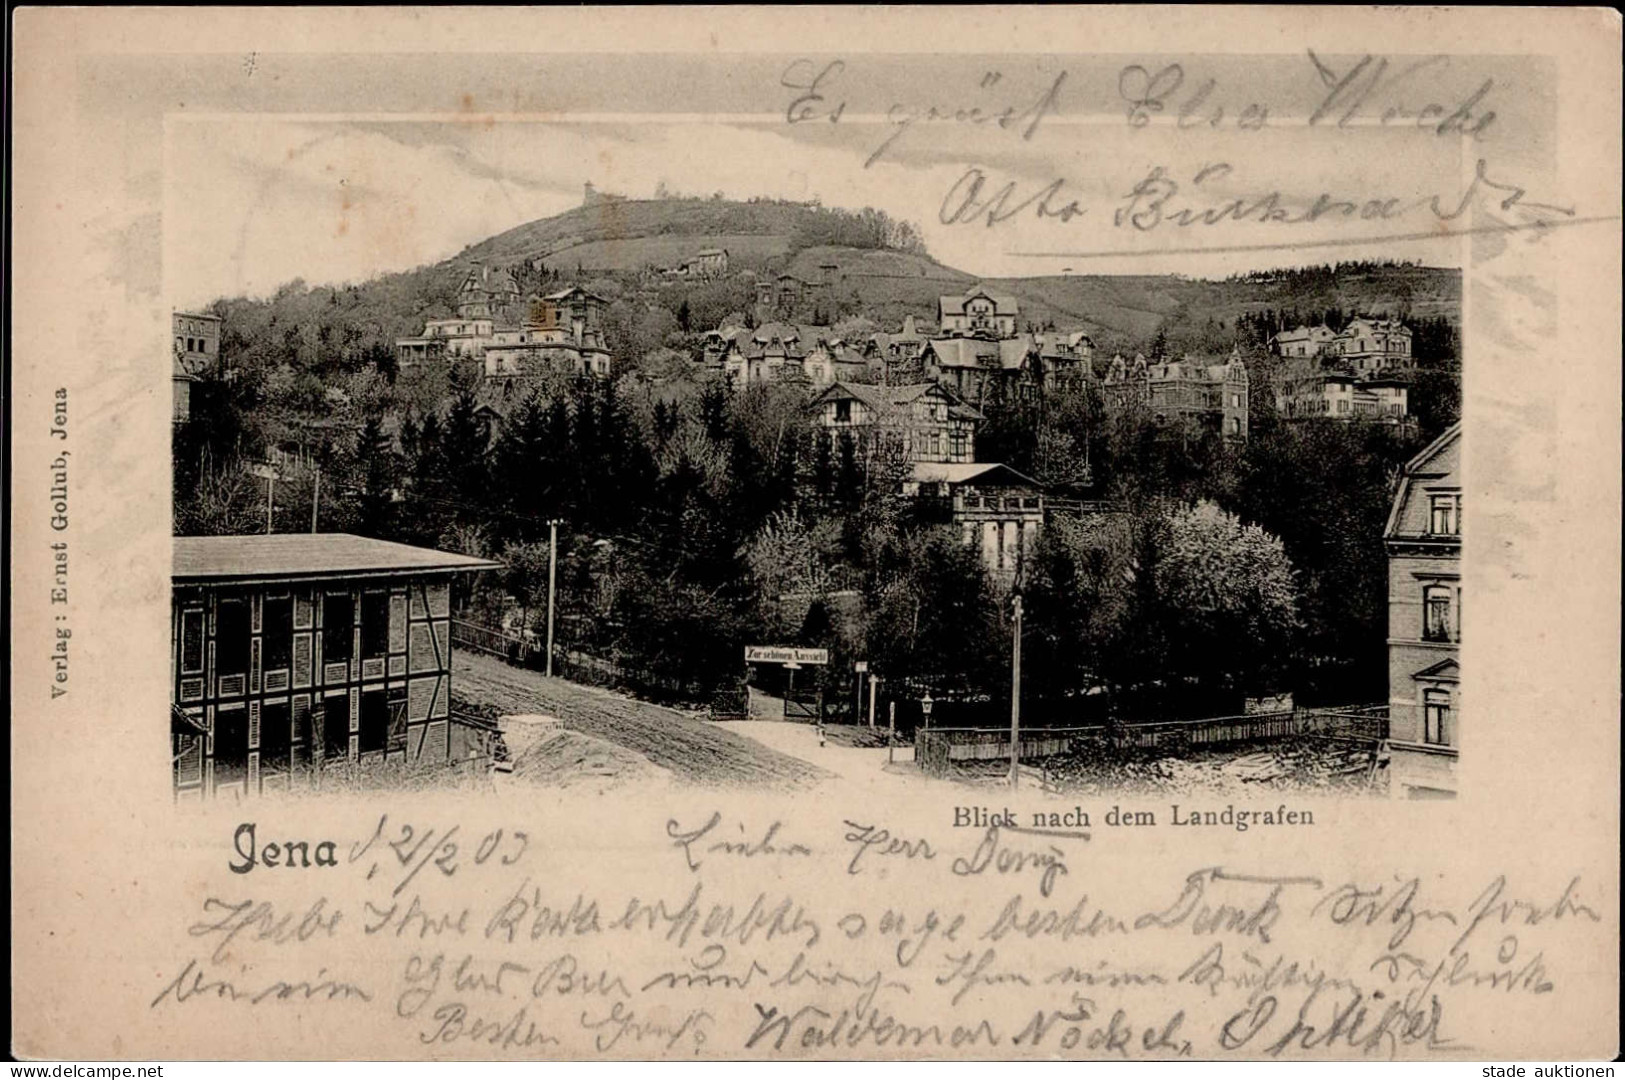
[936, 749]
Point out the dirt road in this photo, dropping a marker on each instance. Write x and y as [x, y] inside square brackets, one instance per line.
[694, 751]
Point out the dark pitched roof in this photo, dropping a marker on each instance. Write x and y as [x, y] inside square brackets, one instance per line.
[307, 556]
[573, 291]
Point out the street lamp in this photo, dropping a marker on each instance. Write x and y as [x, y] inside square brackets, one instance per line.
[925, 707]
[1015, 689]
[552, 584]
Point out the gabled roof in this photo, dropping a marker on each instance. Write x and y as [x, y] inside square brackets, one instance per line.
[1433, 449]
[1417, 465]
[307, 556]
[981, 472]
[880, 399]
[1306, 333]
[955, 305]
[1008, 353]
[1444, 671]
[574, 290]
[1392, 326]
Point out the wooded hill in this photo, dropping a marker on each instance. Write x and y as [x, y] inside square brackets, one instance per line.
[875, 265]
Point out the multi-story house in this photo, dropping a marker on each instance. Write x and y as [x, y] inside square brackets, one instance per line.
[1307, 389]
[918, 423]
[1064, 359]
[708, 263]
[1303, 341]
[196, 349]
[295, 655]
[1423, 539]
[898, 352]
[488, 294]
[787, 296]
[1361, 374]
[1370, 346]
[978, 312]
[197, 338]
[996, 509]
[486, 301]
[1210, 396]
[531, 351]
[446, 339]
[783, 352]
[575, 310]
[975, 368]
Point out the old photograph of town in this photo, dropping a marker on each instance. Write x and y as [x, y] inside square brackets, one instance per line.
[503, 459]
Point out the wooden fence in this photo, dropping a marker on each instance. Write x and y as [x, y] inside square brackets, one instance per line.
[574, 665]
[936, 749]
[484, 639]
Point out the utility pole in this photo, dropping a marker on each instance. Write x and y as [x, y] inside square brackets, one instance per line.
[552, 584]
[270, 499]
[1015, 694]
[872, 681]
[315, 496]
[891, 732]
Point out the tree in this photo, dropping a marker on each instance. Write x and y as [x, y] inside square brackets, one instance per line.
[932, 615]
[377, 471]
[525, 470]
[1227, 600]
[226, 500]
[787, 557]
[525, 577]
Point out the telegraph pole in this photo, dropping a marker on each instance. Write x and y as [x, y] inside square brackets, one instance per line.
[552, 584]
[1015, 694]
[315, 496]
[891, 732]
[270, 499]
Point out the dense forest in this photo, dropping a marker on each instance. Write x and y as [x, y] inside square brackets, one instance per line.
[698, 519]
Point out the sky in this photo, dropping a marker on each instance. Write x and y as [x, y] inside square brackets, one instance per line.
[252, 200]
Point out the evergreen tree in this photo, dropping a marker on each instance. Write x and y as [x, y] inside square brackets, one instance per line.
[378, 471]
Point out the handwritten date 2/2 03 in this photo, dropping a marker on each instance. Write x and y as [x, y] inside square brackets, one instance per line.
[406, 849]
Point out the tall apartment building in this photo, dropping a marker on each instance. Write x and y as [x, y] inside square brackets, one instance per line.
[1423, 539]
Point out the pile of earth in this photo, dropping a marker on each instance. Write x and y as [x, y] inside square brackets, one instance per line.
[561, 758]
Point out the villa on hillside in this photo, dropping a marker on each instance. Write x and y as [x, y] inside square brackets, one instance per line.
[782, 352]
[918, 423]
[1361, 373]
[1367, 345]
[1209, 396]
[978, 312]
[558, 333]
[994, 508]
